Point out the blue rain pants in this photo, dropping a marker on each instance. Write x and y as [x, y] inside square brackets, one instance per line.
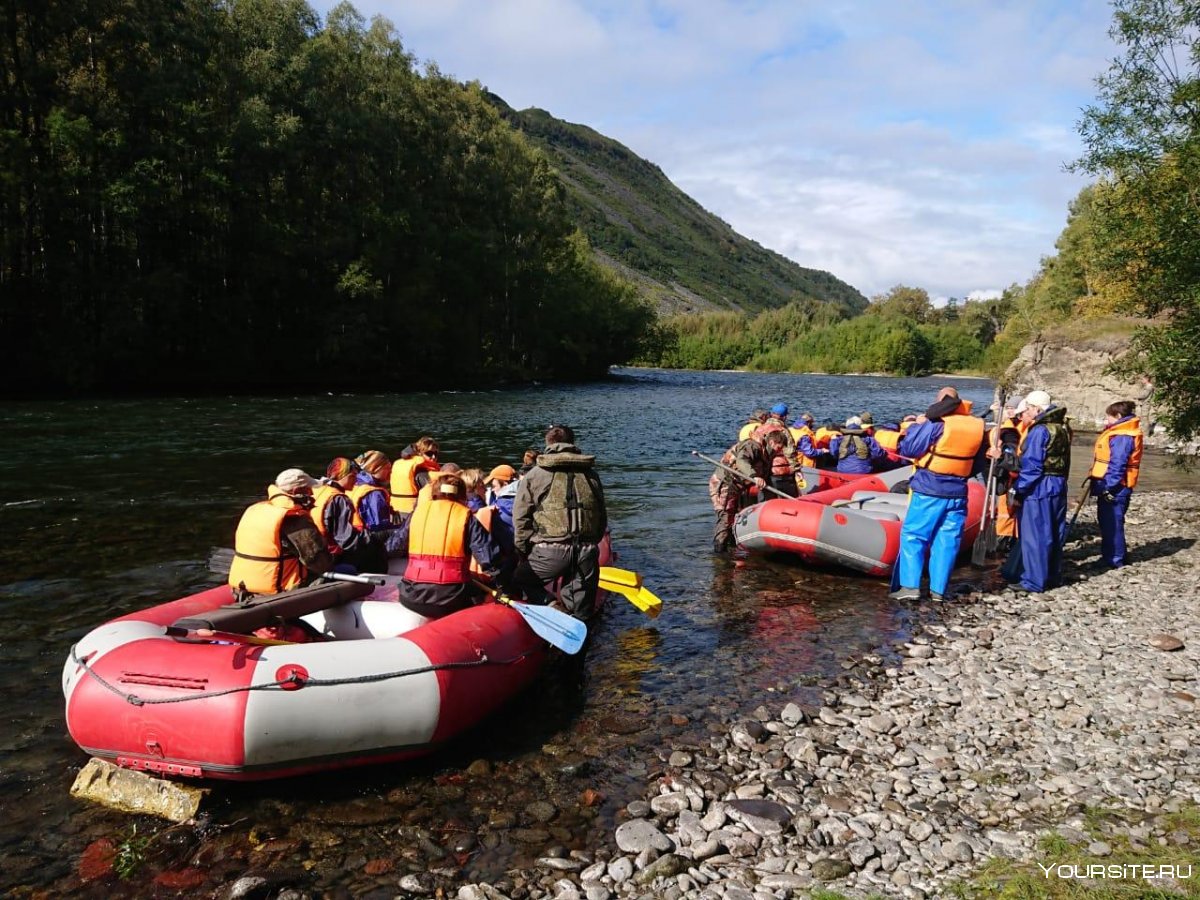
[1112, 527]
[933, 526]
[1041, 524]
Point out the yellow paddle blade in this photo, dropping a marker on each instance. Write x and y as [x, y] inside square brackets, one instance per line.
[639, 596]
[624, 577]
[648, 602]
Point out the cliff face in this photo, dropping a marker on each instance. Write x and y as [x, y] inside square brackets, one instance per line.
[1072, 371]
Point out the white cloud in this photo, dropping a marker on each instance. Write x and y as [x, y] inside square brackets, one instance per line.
[918, 143]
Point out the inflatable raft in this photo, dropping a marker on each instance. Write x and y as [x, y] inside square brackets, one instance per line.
[855, 524]
[146, 691]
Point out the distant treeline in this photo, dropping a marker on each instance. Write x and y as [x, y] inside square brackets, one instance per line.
[901, 333]
[234, 195]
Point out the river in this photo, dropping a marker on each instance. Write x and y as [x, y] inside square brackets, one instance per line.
[108, 506]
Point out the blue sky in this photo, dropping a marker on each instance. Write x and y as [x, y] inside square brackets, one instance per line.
[919, 143]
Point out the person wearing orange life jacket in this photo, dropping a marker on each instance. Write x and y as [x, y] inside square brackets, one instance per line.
[947, 444]
[442, 537]
[446, 468]
[372, 499]
[805, 439]
[1116, 462]
[755, 419]
[412, 473]
[348, 541]
[277, 547]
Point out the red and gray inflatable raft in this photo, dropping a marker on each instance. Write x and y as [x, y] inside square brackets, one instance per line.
[386, 685]
[855, 524]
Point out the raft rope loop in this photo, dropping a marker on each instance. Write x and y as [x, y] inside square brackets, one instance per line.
[295, 679]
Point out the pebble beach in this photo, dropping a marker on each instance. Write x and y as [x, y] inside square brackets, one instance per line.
[1007, 727]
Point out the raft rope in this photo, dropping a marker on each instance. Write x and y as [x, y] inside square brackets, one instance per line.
[295, 680]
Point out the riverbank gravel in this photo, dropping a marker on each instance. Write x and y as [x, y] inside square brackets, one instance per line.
[1005, 717]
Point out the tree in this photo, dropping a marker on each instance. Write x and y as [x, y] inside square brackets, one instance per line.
[902, 302]
[1142, 138]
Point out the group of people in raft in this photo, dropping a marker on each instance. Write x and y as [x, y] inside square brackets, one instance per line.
[946, 445]
[461, 531]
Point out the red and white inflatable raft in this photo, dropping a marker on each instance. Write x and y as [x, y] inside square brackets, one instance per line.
[855, 524]
[386, 685]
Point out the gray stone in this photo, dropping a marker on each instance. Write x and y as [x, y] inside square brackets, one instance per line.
[666, 866]
[419, 883]
[763, 817]
[786, 881]
[620, 869]
[636, 835]
[831, 869]
[1167, 642]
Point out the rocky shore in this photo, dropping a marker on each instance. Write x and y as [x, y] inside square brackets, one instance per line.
[1004, 722]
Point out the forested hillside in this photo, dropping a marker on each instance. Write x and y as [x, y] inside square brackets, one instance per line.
[237, 195]
[681, 257]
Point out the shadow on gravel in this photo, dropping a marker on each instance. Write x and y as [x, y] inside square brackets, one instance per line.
[1084, 554]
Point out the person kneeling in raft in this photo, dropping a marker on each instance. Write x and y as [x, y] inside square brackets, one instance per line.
[442, 535]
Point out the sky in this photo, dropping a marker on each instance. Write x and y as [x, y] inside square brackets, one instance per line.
[919, 143]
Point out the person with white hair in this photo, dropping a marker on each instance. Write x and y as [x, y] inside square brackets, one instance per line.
[277, 546]
[856, 452]
[1040, 492]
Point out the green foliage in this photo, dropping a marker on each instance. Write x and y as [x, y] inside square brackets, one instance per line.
[236, 195]
[633, 213]
[1143, 139]
[131, 853]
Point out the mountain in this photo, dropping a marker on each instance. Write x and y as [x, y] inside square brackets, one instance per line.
[680, 256]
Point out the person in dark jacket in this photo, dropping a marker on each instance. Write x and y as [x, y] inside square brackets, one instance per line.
[856, 451]
[352, 546]
[729, 493]
[559, 519]
[1040, 492]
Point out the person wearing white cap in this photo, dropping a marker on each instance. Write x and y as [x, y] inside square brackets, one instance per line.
[856, 452]
[277, 546]
[1040, 492]
[947, 446]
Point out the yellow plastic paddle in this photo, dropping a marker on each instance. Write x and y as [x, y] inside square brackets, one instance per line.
[629, 585]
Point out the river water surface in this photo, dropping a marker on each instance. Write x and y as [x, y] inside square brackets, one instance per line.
[110, 506]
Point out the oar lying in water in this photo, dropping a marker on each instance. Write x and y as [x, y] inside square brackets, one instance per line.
[629, 585]
[553, 626]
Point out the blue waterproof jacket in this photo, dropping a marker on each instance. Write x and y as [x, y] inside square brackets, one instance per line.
[1032, 481]
[852, 465]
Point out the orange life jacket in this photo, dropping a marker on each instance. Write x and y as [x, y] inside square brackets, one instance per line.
[954, 452]
[404, 481]
[748, 429]
[261, 562]
[798, 433]
[437, 543]
[823, 436]
[361, 490]
[888, 439]
[323, 495]
[1103, 451]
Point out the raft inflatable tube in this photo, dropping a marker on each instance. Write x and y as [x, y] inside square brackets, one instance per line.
[855, 524]
[144, 692]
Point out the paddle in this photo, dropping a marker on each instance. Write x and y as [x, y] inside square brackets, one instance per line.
[986, 539]
[221, 558]
[207, 634]
[1087, 493]
[553, 626]
[741, 475]
[629, 585]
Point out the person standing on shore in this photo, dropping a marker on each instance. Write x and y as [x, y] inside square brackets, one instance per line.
[948, 448]
[1114, 474]
[1040, 492]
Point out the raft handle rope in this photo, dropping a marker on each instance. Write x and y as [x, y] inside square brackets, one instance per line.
[295, 680]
